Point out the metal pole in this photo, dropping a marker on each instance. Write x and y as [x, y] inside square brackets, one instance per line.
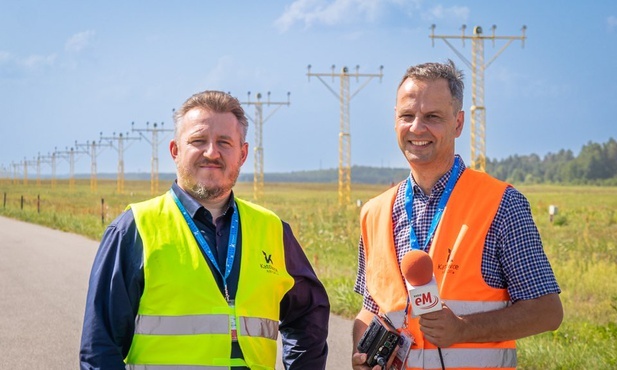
[258, 173]
[344, 96]
[478, 66]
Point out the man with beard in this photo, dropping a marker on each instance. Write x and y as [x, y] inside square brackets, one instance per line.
[198, 278]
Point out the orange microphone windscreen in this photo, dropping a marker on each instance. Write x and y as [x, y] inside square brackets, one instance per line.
[417, 267]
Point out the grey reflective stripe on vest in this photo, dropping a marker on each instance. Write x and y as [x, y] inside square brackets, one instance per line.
[259, 327]
[174, 367]
[458, 307]
[397, 318]
[204, 324]
[463, 357]
[182, 325]
[467, 307]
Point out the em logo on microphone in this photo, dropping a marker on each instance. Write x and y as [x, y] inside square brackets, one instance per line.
[425, 300]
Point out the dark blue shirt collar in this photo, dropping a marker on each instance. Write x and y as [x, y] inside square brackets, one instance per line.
[192, 205]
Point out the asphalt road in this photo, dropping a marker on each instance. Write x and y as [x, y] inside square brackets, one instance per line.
[43, 283]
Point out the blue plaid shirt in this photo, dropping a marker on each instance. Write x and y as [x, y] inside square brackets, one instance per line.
[513, 256]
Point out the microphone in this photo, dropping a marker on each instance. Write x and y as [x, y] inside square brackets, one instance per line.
[417, 268]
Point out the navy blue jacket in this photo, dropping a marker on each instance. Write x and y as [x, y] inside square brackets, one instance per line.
[117, 283]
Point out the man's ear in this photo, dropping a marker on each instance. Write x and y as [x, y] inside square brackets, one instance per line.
[173, 149]
[460, 122]
[245, 152]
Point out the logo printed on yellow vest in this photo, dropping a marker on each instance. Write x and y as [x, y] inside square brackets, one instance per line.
[268, 265]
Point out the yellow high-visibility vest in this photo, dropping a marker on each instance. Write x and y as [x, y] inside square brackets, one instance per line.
[183, 319]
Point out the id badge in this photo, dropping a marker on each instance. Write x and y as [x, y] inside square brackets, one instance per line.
[400, 359]
[232, 321]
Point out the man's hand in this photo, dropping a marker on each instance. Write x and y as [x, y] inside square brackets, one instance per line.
[519, 320]
[358, 362]
[442, 327]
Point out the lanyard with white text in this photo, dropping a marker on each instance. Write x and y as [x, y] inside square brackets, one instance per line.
[231, 249]
[413, 240]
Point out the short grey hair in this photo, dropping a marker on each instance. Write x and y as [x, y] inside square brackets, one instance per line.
[433, 71]
[214, 101]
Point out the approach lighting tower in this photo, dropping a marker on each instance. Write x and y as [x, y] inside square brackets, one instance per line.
[90, 148]
[68, 154]
[41, 159]
[120, 139]
[51, 160]
[15, 166]
[258, 174]
[5, 175]
[26, 164]
[344, 96]
[154, 142]
[477, 65]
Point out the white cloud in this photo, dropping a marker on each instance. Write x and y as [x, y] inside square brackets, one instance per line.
[37, 61]
[78, 41]
[515, 83]
[226, 69]
[455, 13]
[311, 12]
[5, 56]
[13, 65]
[611, 23]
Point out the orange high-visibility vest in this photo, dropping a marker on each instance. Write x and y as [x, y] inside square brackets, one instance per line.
[467, 216]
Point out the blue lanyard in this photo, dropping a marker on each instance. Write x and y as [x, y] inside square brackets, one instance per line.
[413, 239]
[203, 244]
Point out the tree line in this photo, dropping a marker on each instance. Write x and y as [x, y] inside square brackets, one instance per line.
[596, 164]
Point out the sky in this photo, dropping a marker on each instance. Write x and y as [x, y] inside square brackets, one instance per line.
[73, 71]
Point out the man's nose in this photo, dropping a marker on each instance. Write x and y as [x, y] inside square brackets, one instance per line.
[210, 150]
[417, 125]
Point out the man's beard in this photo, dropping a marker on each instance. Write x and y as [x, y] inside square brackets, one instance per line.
[202, 192]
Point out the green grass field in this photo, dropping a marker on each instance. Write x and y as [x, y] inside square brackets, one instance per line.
[581, 243]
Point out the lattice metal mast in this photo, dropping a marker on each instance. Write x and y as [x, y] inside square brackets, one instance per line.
[120, 149]
[477, 66]
[258, 173]
[90, 148]
[344, 96]
[15, 171]
[50, 160]
[154, 142]
[26, 164]
[5, 174]
[41, 159]
[68, 154]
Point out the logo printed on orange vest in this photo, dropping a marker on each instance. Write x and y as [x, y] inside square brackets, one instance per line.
[450, 267]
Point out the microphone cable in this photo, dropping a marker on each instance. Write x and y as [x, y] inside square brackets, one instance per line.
[443, 367]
